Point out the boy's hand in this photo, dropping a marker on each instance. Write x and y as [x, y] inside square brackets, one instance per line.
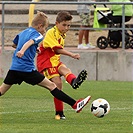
[75, 56]
[20, 54]
[38, 50]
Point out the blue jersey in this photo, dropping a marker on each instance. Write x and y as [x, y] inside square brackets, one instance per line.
[26, 62]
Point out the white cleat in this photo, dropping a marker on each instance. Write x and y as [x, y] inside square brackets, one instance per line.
[80, 104]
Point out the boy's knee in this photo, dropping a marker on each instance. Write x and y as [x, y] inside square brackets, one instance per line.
[52, 86]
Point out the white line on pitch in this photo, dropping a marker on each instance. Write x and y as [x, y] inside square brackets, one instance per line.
[34, 111]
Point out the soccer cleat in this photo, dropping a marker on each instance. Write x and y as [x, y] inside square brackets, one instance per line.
[80, 104]
[80, 79]
[60, 117]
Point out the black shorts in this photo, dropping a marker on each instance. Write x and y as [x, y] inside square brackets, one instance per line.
[17, 77]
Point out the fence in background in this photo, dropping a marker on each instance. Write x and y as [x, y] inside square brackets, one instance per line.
[3, 26]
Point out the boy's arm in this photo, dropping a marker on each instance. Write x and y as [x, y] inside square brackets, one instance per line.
[65, 52]
[24, 48]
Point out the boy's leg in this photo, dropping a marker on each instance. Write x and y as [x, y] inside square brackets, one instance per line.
[76, 82]
[8, 81]
[53, 75]
[3, 88]
[59, 107]
[62, 96]
[76, 105]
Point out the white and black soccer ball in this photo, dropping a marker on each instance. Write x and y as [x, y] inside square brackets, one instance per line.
[100, 107]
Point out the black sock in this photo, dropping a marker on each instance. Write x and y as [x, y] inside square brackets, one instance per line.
[0, 93]
[59, 113]
[63, 97]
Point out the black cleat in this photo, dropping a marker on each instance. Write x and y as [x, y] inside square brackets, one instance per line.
[80, 79]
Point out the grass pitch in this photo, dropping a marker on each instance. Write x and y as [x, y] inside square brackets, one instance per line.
[30, 109]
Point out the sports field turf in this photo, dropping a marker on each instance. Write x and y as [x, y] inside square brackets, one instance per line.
[28, 109]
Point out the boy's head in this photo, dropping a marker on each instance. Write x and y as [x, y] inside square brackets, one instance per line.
[63, 16]
[40, 22]
[63, 21]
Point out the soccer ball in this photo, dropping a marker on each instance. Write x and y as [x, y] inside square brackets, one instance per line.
[100, 107]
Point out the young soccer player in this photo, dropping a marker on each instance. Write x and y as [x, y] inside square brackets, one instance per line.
[48, 59]
[23, 68]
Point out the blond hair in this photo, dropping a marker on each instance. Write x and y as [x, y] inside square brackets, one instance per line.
[40, 18]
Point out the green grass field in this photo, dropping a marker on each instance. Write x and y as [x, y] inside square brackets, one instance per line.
[30, 109]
